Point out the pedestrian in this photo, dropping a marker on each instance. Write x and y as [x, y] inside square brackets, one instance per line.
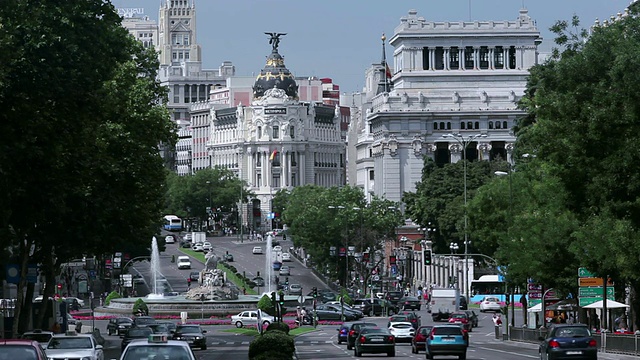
[188, 282]
[78, 326]
[299, 315]
[303, 314]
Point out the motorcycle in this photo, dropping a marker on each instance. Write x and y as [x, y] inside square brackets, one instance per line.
[306, 320]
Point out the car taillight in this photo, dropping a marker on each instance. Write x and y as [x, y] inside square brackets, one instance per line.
[554, 344]
[390, 338]
[593, 343]
[420, 337]
[352, 333]
[362, 339]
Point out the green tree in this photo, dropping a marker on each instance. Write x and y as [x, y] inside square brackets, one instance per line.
[266, 305]
[582, 109]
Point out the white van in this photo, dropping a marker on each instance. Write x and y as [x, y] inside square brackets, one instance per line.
[184, 262]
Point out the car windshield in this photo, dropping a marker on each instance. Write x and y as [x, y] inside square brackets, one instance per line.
[124, 321]
[18, 352]
[145, 321]
[458, 316]
[156, 352]
[491, 299]
[425, 330]
[402, 326]
[372, 331]
[411, 298]
[572, 331]
[188, 330]
[399, 318]
[447, 330]
[83, 342]
[139, 332]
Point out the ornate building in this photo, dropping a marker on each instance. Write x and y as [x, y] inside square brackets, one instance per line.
[277, 141]
[450, 78]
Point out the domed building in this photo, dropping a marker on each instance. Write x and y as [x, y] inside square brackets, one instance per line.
[275, 142]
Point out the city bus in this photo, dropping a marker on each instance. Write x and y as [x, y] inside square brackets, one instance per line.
[172, 223]
[488, 285]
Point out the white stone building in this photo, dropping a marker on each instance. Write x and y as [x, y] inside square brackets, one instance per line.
[462, 78]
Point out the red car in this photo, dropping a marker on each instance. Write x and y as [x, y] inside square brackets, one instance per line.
[419, 341]
[22, 349]
[462, 319]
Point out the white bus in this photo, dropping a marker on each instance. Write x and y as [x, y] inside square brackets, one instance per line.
[172, 223]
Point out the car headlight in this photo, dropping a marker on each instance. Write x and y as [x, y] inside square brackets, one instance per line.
[198, 337]
[120, 326]
[85, 358]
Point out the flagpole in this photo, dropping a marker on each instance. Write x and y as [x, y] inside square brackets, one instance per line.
[384, 63]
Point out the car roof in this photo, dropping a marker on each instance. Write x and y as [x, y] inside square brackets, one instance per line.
[18, 342]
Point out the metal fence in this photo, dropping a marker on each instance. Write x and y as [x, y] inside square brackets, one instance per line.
[607, 342]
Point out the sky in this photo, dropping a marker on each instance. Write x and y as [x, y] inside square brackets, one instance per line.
[340, 39]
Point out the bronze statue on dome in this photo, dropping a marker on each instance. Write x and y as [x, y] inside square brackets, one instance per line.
[275, 39]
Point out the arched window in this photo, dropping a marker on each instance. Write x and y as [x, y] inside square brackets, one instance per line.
[442, 125]
[292, 131]
[435, 125]
[476, 125]
[448, 125]
[259, 132]
[469, 125]
[276, 131]
[462, 125]
[490, 125]
[504, 125]
[497, 124]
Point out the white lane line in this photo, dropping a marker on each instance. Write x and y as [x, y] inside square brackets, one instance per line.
[508, 352]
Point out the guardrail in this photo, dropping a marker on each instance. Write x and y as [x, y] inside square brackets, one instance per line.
[628, 344]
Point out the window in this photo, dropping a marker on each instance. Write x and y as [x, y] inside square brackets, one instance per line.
[175, 55]
[425, 58]
[187, 93]
[448, 125]
[490, 125]
[371, 175]
[293, 179]
[435, 125]
[259, 132]
[476, 125]
[462, 125]
[276, 181]
[258, 159]
[442, 125]
[484, 57]
[176, 93]
[293, 159]
[181, 55]
[174, 39]
[512, 57]
[276, 131]
[454, 58]
[185, 39]
[186, 55]
[292, 132]
[469, 125]
[497, 124]
[439, 58]
[498, 57]
[468, 57]
[504, 125]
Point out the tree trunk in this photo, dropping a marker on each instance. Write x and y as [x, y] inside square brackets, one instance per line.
[25, 248]
[635, 306]
[49, 290]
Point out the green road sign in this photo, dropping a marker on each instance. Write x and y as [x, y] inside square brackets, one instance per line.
[584, 301]
[583, 272]
[595, 291]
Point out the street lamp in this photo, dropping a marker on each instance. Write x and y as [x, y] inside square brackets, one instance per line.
[454, 248]
[425, 243]
[502, 173]
[210, 208]
[464, 142]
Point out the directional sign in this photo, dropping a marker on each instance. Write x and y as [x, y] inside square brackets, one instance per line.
[595, 291]
[591, 281]
[583, 272]
[584, 301]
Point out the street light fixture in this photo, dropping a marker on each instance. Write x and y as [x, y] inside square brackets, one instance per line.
[464, 142]
[503, 173]
[454, 248]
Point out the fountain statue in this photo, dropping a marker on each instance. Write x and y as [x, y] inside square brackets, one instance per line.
[269, 263]
[213, 283]
[155, 271]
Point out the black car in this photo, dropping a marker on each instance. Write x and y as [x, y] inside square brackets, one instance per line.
[473, 317]
[463, 303]
[135, 333]
[192, 334]
[160, 329]
[141, 321]
[347, 308]
[393, 296]
[169, 324]
[332, 314]
[354, 331]
[375, 307]
[375, 341]
[194, 276]
[119, 326]
[228, 257]
[410, 303]
[564, 341]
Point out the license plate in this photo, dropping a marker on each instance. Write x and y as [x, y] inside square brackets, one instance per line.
[190, 341]
[448, 340]
[574, 352]
[377, 340]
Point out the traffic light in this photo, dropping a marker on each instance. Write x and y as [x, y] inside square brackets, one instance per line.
[273, 299]
[427, 257]
[315, 292]
[506, 301]
[281, 299]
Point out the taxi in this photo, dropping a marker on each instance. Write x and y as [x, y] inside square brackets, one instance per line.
[157, 347]
[71, 345]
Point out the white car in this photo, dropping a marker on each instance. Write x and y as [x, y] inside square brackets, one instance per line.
[257, 250]
[403, 331]
[250, 318]
[277, 248]
[184, 262]
[206, 246]
[74, 346]
[169, 239]
[197, 247]
[490, 303]
[80, 301]
[286, 257]
[157, 346]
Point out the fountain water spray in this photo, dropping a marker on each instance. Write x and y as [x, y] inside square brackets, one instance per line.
[155, 270]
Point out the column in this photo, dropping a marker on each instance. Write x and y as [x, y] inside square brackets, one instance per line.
[505, 54]
[264, 159]
[476, 58]
[492, 65]
[463, 55]
[446, 58]
[302, 168]
[432, 57]
[461, 58]
[285, 168]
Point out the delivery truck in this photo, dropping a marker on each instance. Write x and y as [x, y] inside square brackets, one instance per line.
[443, 303]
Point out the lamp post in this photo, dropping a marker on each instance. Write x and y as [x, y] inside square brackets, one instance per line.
[210, 208]
[508, 173]
[427, 230]
[464, 142]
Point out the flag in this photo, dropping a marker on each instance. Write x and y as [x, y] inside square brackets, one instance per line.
[273, 155]
[387, 70]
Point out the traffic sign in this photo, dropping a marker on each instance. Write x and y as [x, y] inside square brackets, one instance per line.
[595, 291]
[376, 277]
[301, 299]
[591, 281]
[584, 301]
[583, 272]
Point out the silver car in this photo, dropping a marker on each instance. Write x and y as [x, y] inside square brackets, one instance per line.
[74, 346]
[285, 271]
[295, 289]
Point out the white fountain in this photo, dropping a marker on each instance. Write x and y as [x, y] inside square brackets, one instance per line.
[155, 270]
[269, 264]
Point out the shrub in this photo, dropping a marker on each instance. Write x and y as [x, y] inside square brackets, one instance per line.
[140, 307]
[266, 305]
[346, 297]
[273, 344]
[112, 295]
[279, 326]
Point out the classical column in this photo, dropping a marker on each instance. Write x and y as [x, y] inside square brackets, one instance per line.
[492, 64]
[432, 57]
[461, 58]
[446, 58]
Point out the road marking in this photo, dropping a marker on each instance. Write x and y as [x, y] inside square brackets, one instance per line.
[508, 352]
